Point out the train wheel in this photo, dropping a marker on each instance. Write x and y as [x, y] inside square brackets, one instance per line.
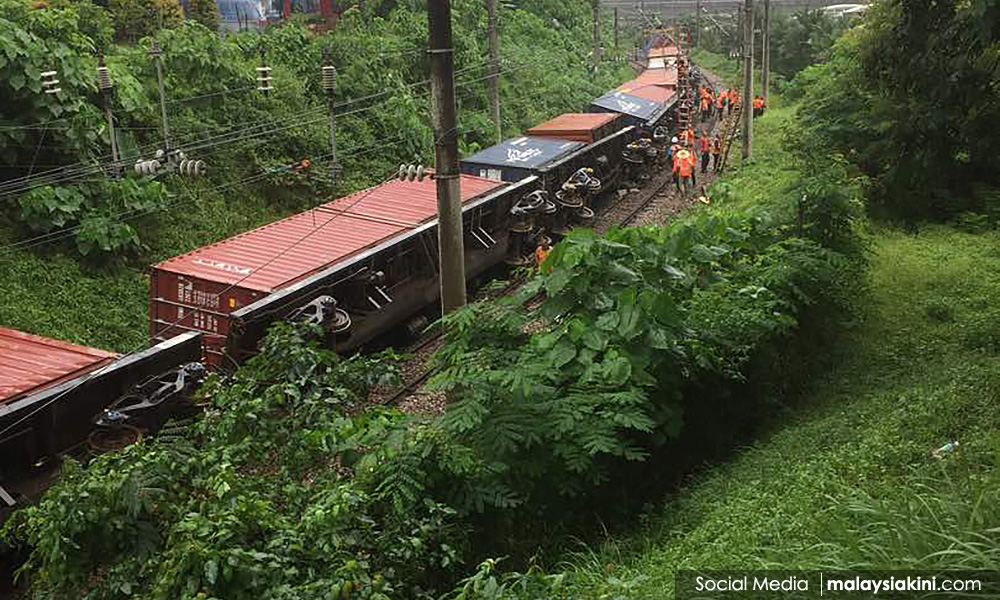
[108, 440]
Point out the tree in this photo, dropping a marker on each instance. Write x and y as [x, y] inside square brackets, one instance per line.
[205, 12]
[137, 18]
[928, 74]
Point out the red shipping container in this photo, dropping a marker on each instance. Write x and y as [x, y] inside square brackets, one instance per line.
[31, 363]
[197, 291]
[654, 93]
[579, 127]
[662, 51]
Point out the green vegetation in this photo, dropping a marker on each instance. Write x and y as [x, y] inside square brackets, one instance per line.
[909, 99]
[842, 477]
[124, 226]
[840, 472]
[836, 358]
[798, 39]
[644, 337]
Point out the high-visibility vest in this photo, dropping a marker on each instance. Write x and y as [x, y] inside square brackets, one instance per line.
[684, 163]
[758, 103]
[704, 144]
[705, 103]
[720, 101]
[540, 255]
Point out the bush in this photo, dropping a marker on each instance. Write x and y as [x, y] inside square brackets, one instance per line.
[631, 321]
[135, 19]
[205, 12]
[99, 215]
[884, 78]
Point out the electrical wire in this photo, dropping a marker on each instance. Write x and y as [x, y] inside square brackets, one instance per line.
[102, 369]
[12, 187]
[128, 215]
[86, 168]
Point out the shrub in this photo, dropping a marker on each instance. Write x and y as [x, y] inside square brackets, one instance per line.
[205, 12]
[135, 19]
[99, 215]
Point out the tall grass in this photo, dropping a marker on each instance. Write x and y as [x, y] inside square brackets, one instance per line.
[947, 521]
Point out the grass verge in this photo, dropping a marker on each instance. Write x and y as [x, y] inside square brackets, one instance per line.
[845, 478]
[841, 475]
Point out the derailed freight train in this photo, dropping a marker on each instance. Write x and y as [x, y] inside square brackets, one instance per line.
[360, 266]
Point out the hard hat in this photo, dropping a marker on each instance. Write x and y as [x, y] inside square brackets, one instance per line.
[673, 140]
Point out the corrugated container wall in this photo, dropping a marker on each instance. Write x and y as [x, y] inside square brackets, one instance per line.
[579, 127]
[197, 291]
[30, 363]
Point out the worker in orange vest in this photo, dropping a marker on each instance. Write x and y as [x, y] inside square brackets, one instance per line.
[684, 169]
[704, 148]
[720, 103]
[758, 106]
[541, 253]
[706, 108]
[687, 136]
[675, 147]
[716, 153]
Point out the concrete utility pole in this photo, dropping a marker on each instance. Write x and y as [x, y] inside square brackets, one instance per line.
[491, 12]
[697, 24]
[328, 80]
[739, 32]
[765, 67]
[747, 77]
[104, 85]
[597, 33]
[616, 31]
[449, 198]
[158, 57]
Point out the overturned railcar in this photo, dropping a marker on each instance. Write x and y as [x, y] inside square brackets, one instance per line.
[52, 393]
[367, 261]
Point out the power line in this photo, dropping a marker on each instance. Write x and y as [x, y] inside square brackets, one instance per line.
[129, 215]
[98, 371]
[87, 168]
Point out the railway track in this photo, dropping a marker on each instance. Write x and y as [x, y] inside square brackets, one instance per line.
[642, 207]
[622, 213]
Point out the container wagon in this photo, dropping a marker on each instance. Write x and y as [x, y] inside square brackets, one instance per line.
[378, 246]
[579, 127]
[51, 392]
[639, 112]
[553, 161]
[575, 177]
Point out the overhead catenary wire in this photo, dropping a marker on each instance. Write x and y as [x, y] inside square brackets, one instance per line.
[94, 166]
[68, 232]
[139, 213]
[18, 186]
[129, 215]
[174, 324]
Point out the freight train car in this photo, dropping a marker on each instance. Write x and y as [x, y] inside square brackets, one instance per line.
[391, 280]
[52, 392]
[575, 177]
[553, 161]
[379, 247]
[579, 127]
[639, 112]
